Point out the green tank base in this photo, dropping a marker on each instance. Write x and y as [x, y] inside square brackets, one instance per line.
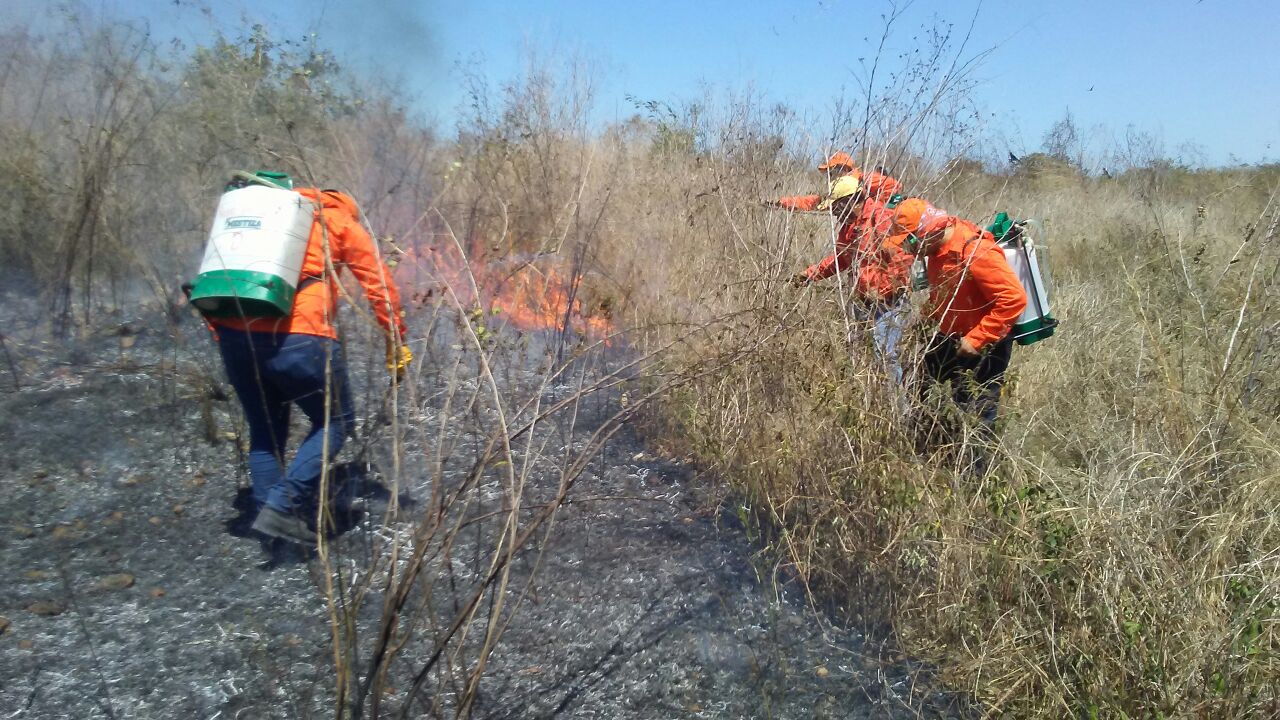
[241, 293]
[1033, 331]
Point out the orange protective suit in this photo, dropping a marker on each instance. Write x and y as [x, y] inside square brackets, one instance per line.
[800, 203]
[973, 291]
[337, 225]
[879, 275]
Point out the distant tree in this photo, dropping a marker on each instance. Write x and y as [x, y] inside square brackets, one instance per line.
[1062, 141]
[1042, 166]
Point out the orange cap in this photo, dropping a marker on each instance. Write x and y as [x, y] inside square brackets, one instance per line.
[914, 216]
[838, 160]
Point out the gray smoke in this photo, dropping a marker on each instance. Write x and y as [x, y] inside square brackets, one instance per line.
[390, 39]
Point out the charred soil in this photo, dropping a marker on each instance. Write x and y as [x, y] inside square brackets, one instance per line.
[131, 589]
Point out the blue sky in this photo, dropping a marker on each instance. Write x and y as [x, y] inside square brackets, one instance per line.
[1189, 72]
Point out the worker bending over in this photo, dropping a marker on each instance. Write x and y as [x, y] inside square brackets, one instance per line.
[277, 362]
[974, 296]
[880, 280]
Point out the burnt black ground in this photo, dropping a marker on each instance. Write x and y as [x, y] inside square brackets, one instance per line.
[647, 604]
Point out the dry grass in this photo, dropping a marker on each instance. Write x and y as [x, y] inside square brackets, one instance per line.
[1121, 561]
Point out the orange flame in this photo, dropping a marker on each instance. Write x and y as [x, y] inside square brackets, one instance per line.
[534, 298]
[539, 294]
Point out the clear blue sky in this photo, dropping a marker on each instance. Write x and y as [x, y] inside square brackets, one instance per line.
[1202, 72]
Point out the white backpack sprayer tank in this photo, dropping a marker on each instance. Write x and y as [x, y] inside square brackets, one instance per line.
[253, 258]
[1036, 322]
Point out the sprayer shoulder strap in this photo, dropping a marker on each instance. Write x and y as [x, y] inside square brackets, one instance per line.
[309, 281]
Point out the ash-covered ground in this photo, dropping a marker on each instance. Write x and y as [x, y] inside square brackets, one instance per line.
[130, 588]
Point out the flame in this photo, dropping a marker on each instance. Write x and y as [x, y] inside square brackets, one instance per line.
[542, 293]
[534, 298]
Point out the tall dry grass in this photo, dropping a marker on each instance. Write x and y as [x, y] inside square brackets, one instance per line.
[1120, 561]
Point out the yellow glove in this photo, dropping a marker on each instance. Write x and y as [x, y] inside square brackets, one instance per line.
[397, 362]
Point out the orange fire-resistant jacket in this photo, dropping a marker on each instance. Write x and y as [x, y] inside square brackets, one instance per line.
[858, 246]
[973, 291]
[879, 275]
[337, 224]
[800, 203]
[882, 187]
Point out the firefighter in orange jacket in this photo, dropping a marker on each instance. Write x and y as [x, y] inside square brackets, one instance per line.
[839, 165]
[274, 363]
[974, 296]
[859, 242]
[880, 282]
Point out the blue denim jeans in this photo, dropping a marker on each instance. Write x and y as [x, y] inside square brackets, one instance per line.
[886, 331]
[270, 374]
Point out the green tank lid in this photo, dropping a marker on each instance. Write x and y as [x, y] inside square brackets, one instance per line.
[276, 178]
[1001, 227]
[269, 178]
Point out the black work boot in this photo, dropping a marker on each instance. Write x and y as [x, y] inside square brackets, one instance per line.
[288, 527]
